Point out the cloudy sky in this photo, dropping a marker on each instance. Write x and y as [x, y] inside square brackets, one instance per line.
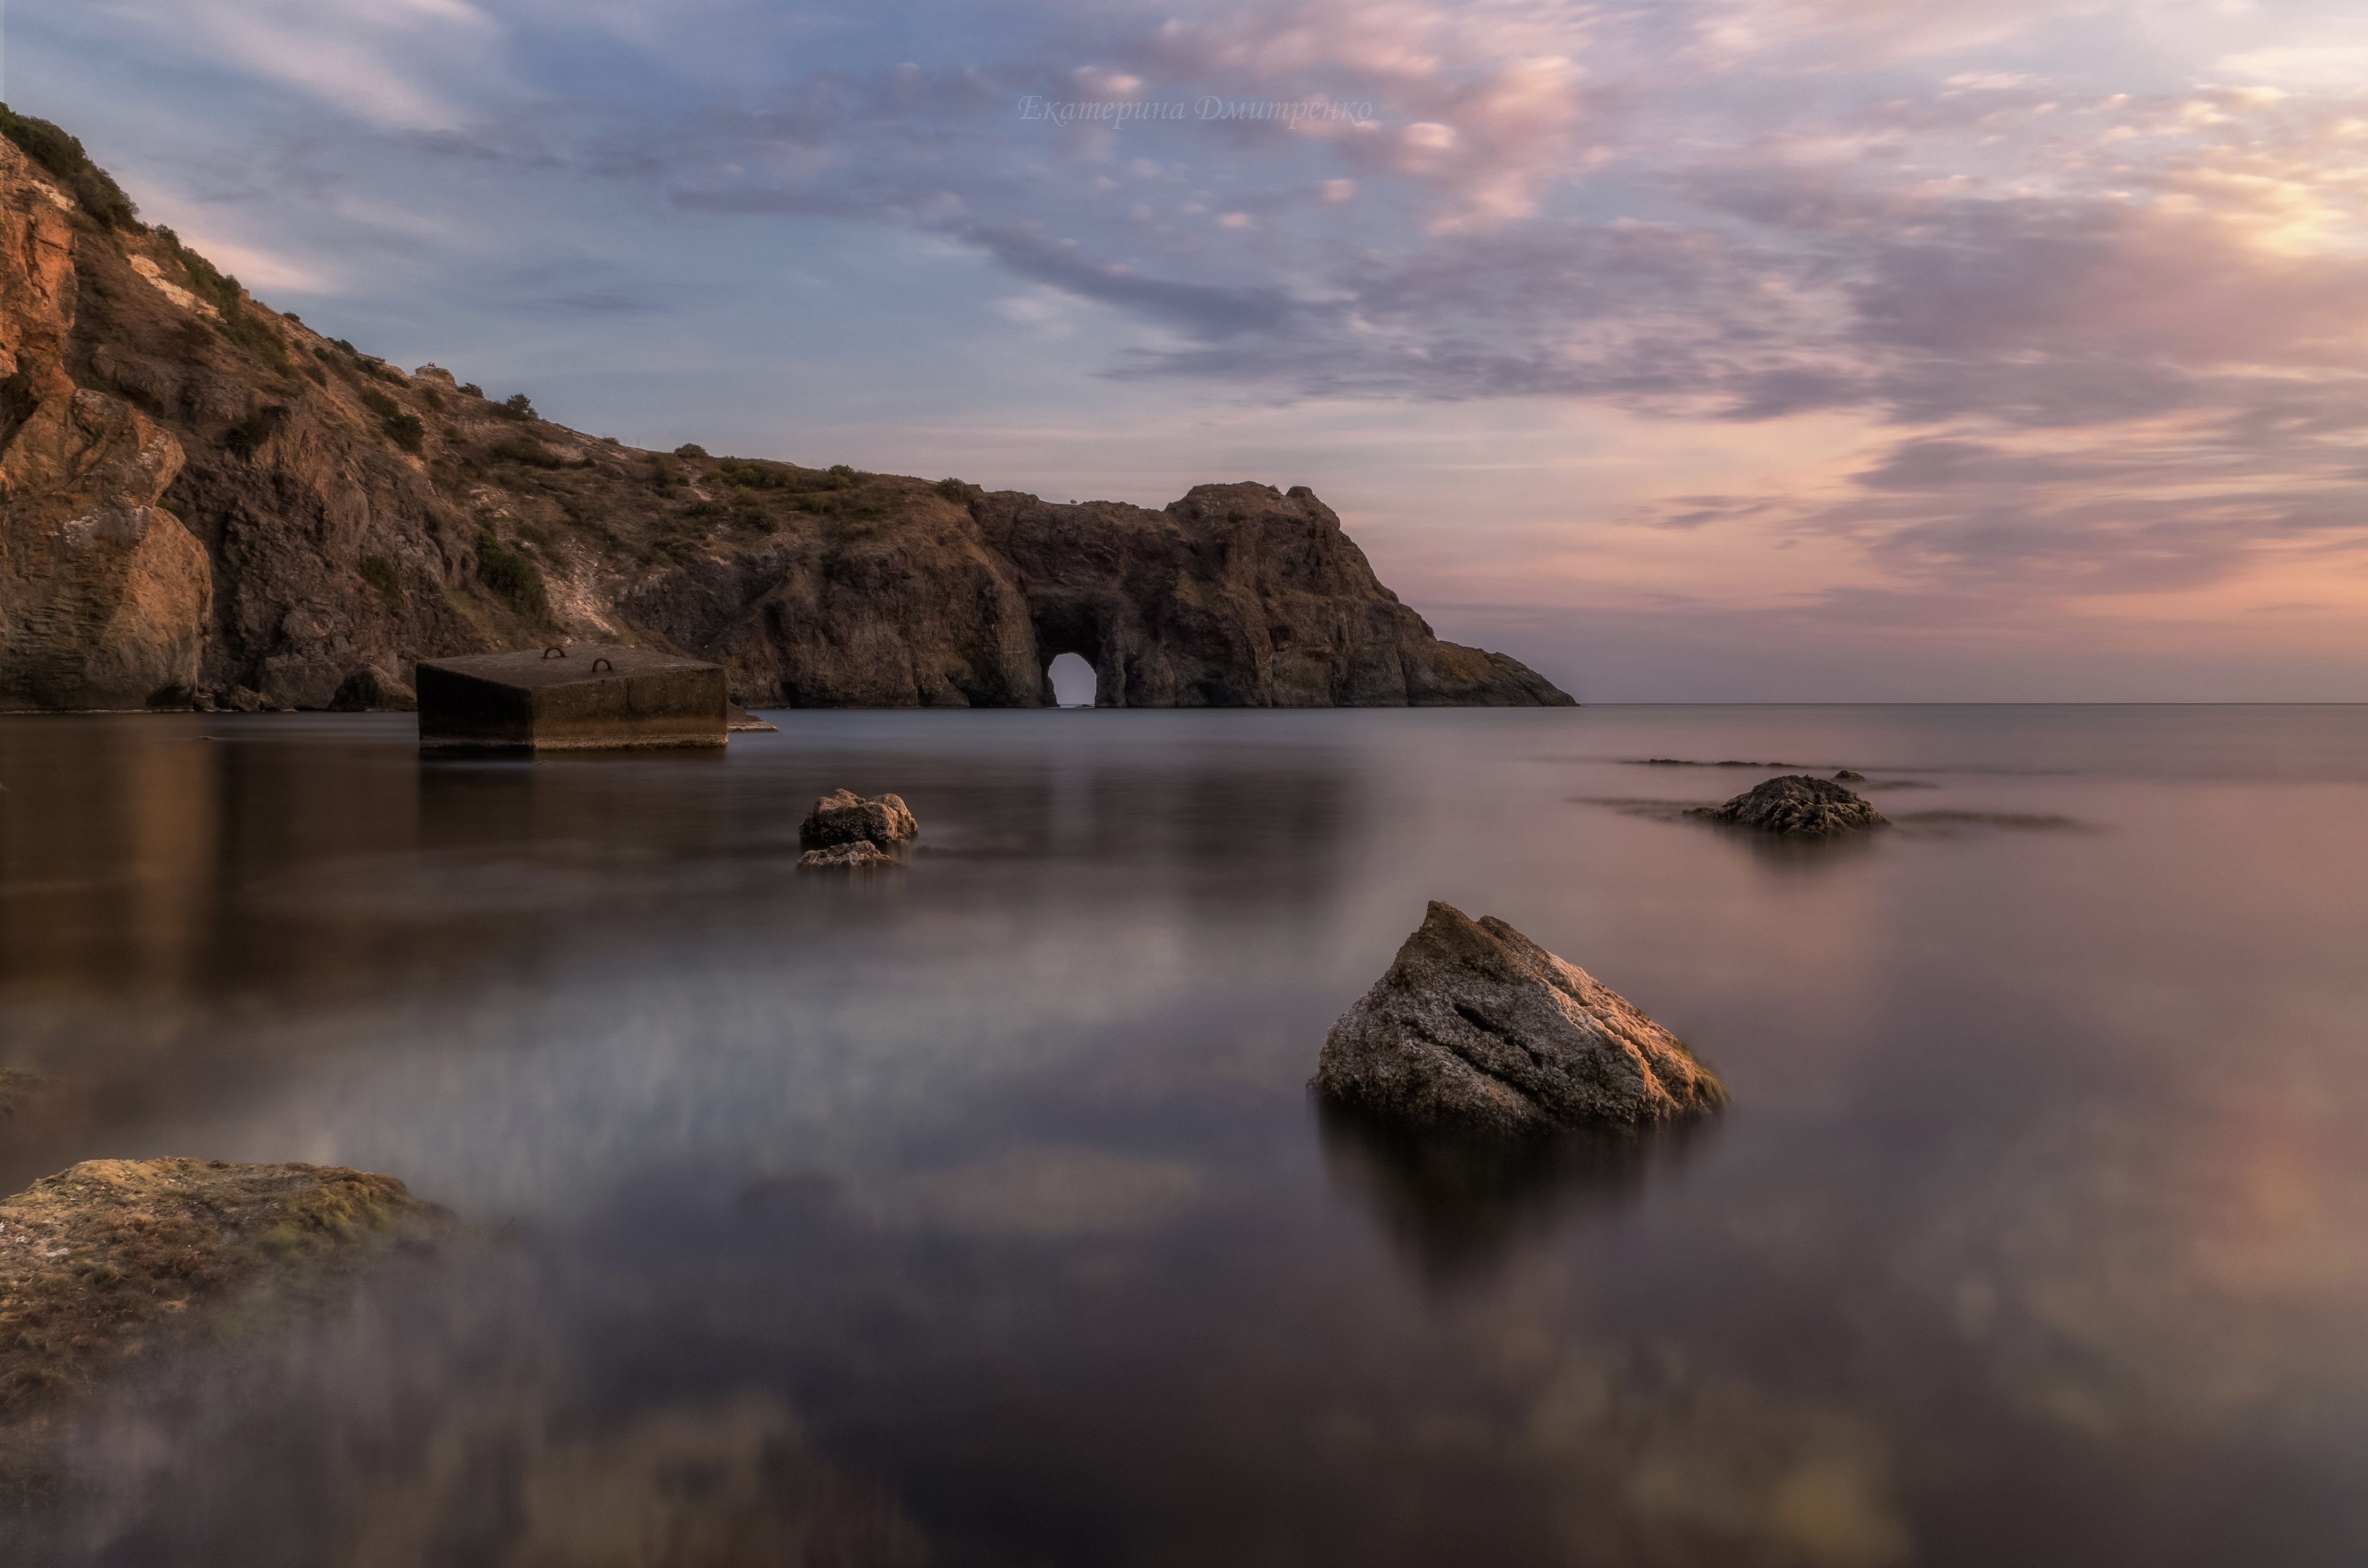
[1692, 350]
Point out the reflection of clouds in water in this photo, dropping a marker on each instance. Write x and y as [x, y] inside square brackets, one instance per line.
[1665, 1465]
[1950, 824]
[2127, 1270]
[720, 1486]
[434, 1422]
[540, 1104]
[1043, 1192]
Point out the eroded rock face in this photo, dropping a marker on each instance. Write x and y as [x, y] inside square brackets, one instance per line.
[1238, 596]
[1475, 1028]
[371, 691]
[844, 817]
[104, 595]
[1798, 806]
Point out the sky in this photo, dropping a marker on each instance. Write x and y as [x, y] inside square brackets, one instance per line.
[1690, 350]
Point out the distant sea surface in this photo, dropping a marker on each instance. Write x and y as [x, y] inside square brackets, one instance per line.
[976, 1213]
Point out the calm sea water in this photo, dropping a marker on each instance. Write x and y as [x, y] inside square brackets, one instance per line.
[976, 1213]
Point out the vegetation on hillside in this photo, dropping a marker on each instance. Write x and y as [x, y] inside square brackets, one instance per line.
[63, 157]
[509, 573]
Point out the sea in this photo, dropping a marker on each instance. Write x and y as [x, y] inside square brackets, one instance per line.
[977, 1212]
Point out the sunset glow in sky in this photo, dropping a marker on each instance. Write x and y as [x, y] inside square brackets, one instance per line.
[1738, 349]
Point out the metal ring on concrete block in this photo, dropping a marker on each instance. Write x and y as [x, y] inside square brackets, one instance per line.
[599, 665]
[554, 648]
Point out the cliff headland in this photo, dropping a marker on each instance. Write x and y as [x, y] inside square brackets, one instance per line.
[203, 500]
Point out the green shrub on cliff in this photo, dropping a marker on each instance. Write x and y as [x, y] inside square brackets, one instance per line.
[405, 430]
[63, 157]
[234, 321]
[533, 454]
[247, 437]
[208, 282]
[378, 571]
[509, 573]
[749, 474]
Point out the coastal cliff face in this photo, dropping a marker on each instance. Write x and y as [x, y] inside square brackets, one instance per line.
[203, 500]
[104, 595]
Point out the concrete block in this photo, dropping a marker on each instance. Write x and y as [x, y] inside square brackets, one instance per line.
[581, 698]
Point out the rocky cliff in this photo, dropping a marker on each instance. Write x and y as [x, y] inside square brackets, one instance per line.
[203, 500]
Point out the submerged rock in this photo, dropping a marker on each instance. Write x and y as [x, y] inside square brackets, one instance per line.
[101, 1256]
[371, 691]
[844, 817]
[861, 855]
[1848, 775]
[1797, 806]
[1476, 1027]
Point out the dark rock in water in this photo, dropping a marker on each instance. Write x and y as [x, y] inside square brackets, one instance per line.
[844, 817]
[1476, 1027]
[1797, 806]
[860, 856]
[371, 691]
[1847, 777]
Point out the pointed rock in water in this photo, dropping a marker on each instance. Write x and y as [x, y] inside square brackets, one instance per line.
[844, 817]
[1797, 806]
[1476, 1027]
[1848, 775]
[860, 856]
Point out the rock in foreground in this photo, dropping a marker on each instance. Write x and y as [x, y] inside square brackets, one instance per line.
[1476, 1027]
[100, 1255]
[1798, 806]
[844, 817]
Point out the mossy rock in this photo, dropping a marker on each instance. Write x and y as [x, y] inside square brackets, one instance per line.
[100, 1258]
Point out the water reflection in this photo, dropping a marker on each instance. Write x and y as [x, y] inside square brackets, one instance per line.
[1459, 1208]
[439, 1419]
[980, 1201]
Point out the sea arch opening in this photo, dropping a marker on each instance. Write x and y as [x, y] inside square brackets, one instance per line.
[1073, 682]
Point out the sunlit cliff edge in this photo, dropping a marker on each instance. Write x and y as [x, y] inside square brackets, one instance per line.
[201, 496]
